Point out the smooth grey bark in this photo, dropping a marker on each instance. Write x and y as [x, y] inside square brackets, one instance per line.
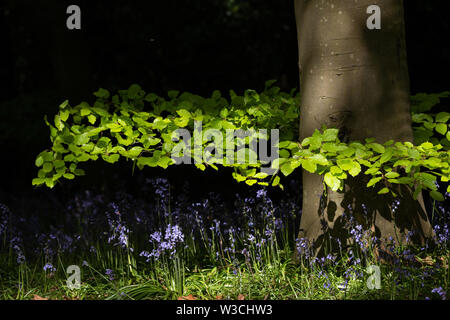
[356, 80]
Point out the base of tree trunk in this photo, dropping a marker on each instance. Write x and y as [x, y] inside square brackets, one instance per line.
[333, 221]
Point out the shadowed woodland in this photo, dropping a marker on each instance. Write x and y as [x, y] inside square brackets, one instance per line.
[199, 47]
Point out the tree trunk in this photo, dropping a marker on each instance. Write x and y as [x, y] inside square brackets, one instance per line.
[356, 80]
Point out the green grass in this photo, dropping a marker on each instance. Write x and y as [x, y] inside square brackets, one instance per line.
[276, 277]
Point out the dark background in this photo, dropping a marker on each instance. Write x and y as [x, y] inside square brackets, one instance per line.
[187, 45]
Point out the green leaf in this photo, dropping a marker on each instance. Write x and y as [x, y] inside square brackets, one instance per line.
[402, 163]
[48, 167]
[355, 169]
[376, 147]
[63, 105]
[345, 164]
[184, 113]
[69, 176]
[442, 117]
[133, 91]
[261, 175]
[58, 123]
[441, 128]
[335, 170]
[330, 135]
[81, 139]
[348, 152]
[427, 145]
[200, 166]
[92, 119]
[49, 183]
[38, 181]
[148, 161]
[227, 125]
[309, 165]
[224, 113]
[373, 181]
[436, 195]
[58, 164]
[284, 153]
[102, 93]
[151, 97]
[79, 172]
[64, 115]
[83, 157]
[333, 182]
[387, 155]
[331, 147]
[404, 180]
[70, 158]
[286, 168]
[164, 162]
[216, 95]
[111, 158]
[383, 191]
[238, 177]
[172, 94]
[134, 152]
[276, 181]
[100, 111]
[39, 161]
[103, 142]
[392, 175]
[181, 122]
[84, 112]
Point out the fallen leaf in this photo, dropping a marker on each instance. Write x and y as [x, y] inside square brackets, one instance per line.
[36, 297]
[241, 297]
[219, 297]
[444, 262]
[189, 297]
[428, 260]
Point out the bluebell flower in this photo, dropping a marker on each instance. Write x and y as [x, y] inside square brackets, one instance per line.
[440, 292]
[16, 245]
[4, 214]
[110, 274]
[261, 193]
[49, 267]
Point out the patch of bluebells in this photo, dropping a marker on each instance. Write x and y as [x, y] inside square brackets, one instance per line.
[166, 244]
[359, 235]
[241, 229]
